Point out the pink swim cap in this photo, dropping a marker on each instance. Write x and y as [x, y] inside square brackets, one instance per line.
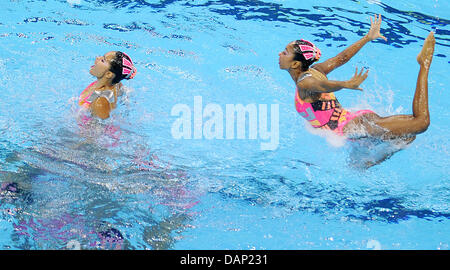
[128, 68]
[309, 51]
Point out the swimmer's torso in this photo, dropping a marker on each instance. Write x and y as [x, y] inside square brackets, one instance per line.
[309, 96]
[321, 110]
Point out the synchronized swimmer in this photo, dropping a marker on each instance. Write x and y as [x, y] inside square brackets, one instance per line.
[100, 97]
[314, 99]
[316, 102]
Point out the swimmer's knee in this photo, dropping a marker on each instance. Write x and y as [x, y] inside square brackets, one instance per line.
[426, 123]
[422, 123]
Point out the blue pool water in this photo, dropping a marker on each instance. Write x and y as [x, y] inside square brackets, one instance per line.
[63, 188]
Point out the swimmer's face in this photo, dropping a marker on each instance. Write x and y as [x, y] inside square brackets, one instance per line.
[286, 57]
[102, 65]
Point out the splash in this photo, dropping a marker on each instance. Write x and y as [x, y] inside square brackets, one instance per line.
[331, 137]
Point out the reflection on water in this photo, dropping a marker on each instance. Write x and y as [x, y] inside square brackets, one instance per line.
[320, 18]
[330, 200]
[327, 23]
[70, 189]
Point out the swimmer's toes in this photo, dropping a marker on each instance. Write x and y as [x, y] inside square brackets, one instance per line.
[426, 54]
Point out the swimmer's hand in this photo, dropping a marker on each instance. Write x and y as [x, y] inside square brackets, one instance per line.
[374, 31]
[356, 80]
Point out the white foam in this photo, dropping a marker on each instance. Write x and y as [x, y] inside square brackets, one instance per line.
[331, 137]
[74, 2]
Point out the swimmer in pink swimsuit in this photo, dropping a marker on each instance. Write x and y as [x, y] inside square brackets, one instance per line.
[315, 100]
[100, 97]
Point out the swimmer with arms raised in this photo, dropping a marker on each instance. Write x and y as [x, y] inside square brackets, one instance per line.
[100, 97]
[316, 102]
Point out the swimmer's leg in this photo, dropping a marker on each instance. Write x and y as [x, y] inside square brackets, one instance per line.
[404, 125]
[388, 155]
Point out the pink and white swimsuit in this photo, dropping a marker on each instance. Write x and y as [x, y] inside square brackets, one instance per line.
[325, 113]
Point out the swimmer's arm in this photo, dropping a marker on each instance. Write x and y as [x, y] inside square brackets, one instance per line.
[342, 58]
[101, 108]
[327, 86]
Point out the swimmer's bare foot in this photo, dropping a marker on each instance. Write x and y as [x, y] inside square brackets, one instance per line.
[426, 54]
